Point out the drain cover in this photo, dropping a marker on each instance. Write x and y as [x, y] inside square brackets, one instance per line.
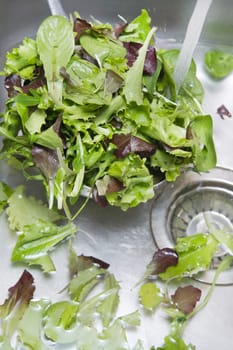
[189, 206]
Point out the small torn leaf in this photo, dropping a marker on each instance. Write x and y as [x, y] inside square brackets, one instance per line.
[150, 296]
[185, 298]
[223, 112]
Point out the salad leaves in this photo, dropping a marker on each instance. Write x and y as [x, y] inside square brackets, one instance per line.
[36, 229]
[79, 85]
[87, 316]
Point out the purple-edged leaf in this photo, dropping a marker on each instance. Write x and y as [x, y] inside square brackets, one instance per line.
[85, 56]
[185, 298]
[132, 49]
[82, 262]
[119, 28]
[150, 61]
[162, 259]
[131, 144]
[21, 293]
[223, 112]
[46, 160]
[11, 82]
[80, 26]
[99, 199]
[114, 185]
[16, 304]
[108, 184]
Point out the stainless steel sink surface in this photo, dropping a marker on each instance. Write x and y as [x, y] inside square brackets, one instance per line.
[124, 239]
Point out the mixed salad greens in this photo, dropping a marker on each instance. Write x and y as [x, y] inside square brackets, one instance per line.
[86, 316]
[91, 104]
[94, 105]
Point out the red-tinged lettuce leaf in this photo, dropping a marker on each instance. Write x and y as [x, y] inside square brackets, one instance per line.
[80, 26]
[119, 28]
[185, 298]
[11, 83]
[107, 185]
[100, 200]
[46, 160]
[162, 259]
[132, 144]
[15, 305]
[150, 63]
[82, 262]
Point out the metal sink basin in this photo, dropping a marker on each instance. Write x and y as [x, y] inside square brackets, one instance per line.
[124, 238]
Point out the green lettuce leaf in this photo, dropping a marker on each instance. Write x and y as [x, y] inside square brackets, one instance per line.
[195, 255]
[133, 81]
[23, 211]
[36, 240]
[150, 296]
[22, 60]
[55, 43]
[204, 154]
[31, 325]
[138, 29]
[138, 183]
[218, 64]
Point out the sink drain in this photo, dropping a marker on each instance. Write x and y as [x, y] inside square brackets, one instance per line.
[191, 205]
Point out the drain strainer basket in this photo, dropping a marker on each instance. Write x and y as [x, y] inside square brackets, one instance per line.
[186, 206]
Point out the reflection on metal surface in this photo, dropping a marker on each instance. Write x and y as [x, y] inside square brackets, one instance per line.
[192, 205]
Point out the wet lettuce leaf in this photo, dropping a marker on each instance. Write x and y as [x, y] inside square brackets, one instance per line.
[218, 64]
[22, 60]
[55, 43]
[195, 255]
[14, 307]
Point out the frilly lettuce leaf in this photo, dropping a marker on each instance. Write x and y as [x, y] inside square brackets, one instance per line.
[138, 29]
[23, 210]
[22, 60]
[14, 307]
[138, 183]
